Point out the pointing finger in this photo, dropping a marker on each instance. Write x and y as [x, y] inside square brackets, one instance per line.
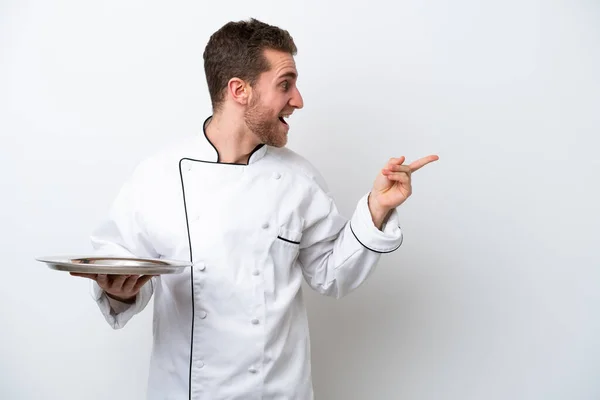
[416, 165]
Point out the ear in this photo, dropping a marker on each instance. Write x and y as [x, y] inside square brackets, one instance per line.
[239, 90]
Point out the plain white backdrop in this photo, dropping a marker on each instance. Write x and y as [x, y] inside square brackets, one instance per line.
[495, 293]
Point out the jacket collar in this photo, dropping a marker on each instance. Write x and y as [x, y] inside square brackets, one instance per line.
[212, 155]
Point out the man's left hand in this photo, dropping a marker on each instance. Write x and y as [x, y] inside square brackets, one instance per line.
[393, 186]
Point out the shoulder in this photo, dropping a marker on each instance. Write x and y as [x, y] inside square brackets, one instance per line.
[168, 157]
[161, 166]
[299, 165]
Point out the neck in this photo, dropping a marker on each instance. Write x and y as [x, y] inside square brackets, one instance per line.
[232, 139]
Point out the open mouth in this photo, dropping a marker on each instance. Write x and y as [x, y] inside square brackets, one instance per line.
[282, 119]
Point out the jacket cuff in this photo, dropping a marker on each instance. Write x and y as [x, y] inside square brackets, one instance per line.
[118, 316]
[366, 233]
[118, 306]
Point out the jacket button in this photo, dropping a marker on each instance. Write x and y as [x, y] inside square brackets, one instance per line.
[202, 314]
[255, 321]
[252, 370]
[265, 225]
[276, 175]
[199, 364]
[201, 266]
[256, 272]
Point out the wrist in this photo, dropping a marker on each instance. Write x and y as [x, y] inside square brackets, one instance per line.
[127, 300]
[379, 214]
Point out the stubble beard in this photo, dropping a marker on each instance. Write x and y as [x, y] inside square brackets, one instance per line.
[264, 124]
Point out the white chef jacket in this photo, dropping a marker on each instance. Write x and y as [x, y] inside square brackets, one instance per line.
[234, 325]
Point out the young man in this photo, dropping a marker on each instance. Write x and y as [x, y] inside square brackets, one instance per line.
[256, 219]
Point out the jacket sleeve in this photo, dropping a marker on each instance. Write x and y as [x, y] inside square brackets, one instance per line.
[336, 254]
[122, 233]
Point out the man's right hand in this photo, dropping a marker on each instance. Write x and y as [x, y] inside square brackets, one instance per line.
[120, 287]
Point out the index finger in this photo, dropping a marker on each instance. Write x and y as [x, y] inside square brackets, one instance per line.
[416, 165]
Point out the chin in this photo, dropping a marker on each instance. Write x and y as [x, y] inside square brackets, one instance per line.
[279, 142]
[273, 133]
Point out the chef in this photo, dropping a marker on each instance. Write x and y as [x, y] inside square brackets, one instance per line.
[256, 219]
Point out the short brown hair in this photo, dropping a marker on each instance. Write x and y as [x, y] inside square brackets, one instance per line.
[236, 50]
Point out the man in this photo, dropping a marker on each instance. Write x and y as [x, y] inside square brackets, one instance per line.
[255, 219]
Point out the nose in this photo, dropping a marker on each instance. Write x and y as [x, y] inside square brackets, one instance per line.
[296, 100]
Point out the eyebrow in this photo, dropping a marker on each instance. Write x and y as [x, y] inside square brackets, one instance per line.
[291, 75]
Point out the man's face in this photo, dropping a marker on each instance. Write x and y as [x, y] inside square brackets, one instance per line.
[274, 96]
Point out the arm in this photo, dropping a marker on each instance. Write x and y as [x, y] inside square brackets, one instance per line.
[122, 234]
[337, 255]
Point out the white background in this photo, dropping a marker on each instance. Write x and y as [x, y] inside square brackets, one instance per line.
[495, 293]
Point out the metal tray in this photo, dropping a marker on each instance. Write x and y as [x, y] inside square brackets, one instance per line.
[114, 265]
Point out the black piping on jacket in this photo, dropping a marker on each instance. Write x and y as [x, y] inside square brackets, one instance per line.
[190, 238]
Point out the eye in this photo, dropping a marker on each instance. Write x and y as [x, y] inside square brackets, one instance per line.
[285, 85]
